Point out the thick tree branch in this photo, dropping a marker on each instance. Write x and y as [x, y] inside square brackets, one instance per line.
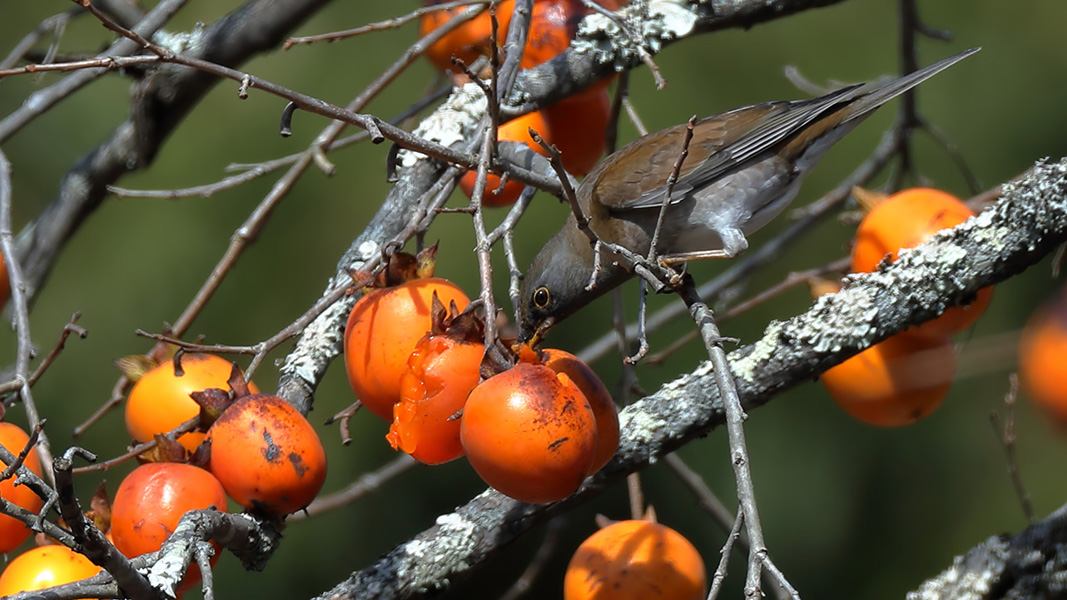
[1029, 564]
[1026, 224]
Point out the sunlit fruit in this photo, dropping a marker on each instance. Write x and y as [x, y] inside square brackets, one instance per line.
[906, 220]
[598, 396]
[151, 501]
[266, 455]
[12, 531]
[45, 567]
[635, 560]
[894, 382]
[442, 370]
[530, 433]
[468, 41]
[1043, 358]
[516, 130]
[381, 333]
[159, 400]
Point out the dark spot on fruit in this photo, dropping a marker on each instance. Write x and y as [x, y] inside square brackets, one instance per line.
[298, 463]
[556, 444]
[270, 452]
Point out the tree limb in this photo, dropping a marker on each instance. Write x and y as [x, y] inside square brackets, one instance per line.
[1026, 224]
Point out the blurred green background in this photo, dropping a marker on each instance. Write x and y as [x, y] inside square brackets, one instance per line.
[848, 510]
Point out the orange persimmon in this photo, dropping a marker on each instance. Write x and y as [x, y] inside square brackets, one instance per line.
[553, 24]
[1043, 358]
[45, 567]
[442, 370]
[598, 396]
[894, 382]
[159, 400]
[905, 220]
[12, 531]
[468, 41]
[152, 499]
[382, 331]
[516, 130]
[579, 127]
[530, 433]
[635, 560]
[266, 455]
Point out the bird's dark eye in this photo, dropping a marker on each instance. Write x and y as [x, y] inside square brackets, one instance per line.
[541, 297]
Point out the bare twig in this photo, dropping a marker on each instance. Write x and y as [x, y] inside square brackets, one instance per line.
[1005, 430]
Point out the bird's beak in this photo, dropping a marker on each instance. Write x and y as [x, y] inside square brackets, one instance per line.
[540, 331]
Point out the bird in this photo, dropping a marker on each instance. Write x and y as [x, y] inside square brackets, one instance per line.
[743, 168]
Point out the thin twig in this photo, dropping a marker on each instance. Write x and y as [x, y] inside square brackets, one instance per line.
[735, 417]
[367, 483]
[393, 23]
[1005, 430]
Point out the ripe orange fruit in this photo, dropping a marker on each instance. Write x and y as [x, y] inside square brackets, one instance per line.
[635, 560]
[906, 220]
[1043, 358]
[530, 433]
[266, 455]
[442, 370]
[468, 41]
[152, 499]
[579, 126]
[159, 401]
[516, 130]
[894, 382]
[12, 531]
[598, 396]
[45, 567]
[382, 331]
[553, 24]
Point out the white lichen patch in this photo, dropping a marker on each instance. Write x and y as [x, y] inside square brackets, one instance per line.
[458, 524]
[452, 122]
[367, 250]
[456, 538]
[319, 339]
[762, 350]
[649, 22]
[182, 41]
[166, 573]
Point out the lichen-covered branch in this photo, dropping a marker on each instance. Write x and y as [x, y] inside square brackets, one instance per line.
[1026, 224]
[1029, 564]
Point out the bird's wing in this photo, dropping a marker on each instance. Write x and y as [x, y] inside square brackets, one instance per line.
[746, 133]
